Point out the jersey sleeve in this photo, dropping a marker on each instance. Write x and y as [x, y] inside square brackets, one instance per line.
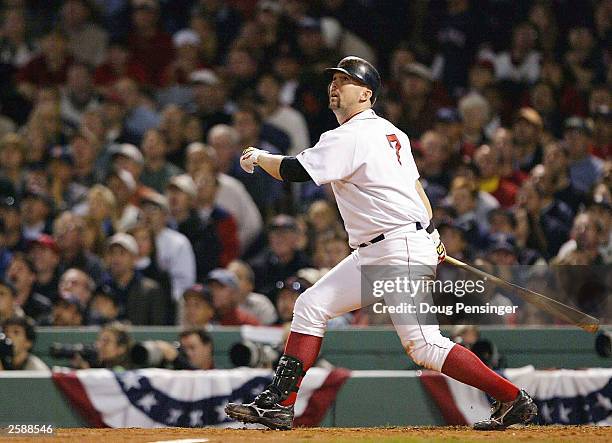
[332, 158]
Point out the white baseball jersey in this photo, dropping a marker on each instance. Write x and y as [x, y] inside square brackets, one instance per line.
[369, 163]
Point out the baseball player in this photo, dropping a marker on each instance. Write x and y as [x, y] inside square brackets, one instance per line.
[369, 164]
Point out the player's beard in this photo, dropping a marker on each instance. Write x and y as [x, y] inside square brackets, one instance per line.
[334, 102]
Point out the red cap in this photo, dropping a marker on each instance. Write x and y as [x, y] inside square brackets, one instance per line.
[46, 241]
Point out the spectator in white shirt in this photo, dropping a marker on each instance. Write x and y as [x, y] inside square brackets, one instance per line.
[174, 252]
[521, 64]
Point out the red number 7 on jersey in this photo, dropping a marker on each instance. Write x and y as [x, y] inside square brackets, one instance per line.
[395, 144]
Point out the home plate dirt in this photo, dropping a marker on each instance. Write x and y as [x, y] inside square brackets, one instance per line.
[334, 435]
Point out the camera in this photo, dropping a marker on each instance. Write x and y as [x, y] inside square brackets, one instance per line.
[147, 354]
[6, 351]
[69, 350]
[254, 355]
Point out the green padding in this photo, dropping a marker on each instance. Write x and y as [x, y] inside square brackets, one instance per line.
[379, 348]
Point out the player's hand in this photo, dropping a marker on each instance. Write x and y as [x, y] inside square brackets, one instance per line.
[249, 157]
[440, 248]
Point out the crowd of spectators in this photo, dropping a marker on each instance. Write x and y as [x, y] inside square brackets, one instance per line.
[121, 125]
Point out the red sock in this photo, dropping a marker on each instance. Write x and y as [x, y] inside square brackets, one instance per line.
[305, 348]
[463, 365]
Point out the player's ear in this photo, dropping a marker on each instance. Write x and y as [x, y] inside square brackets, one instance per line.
[366, 94]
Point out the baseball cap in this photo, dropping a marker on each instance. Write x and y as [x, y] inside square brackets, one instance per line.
[419, 70]
[269, 5]
[126, 241]
[283, 221]
[530, 115]
[448, 115]
[204, 77]
[198, 290]
[310, 24]
[45, 241]
[501, 242]
[155, 198]
[577, 123]
[128, 150]
[184, 183]
[223, 276]
[186, 37]
[125, 176]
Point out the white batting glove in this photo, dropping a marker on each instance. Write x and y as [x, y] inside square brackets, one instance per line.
[248, 161]
[440, 248]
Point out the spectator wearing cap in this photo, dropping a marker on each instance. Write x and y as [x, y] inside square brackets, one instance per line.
[198, 307]
[448, 123]
[139, 114]
[36, 212]
[585, 169]
[602, 131]
[8, 307]
[118, 64]
[223, 285]
[128, 157]
[281, 258]
[21, 273]
[487, 160]
[124, 187]
[104, 307]
[284, 117]
[174, 252]
[209, 99]
[45, 254]
[66, 192]
[78, 94]
[140, 298]
[526, 131]
[182, 193]
[77, 283]
[187, 60]
[21, 331]
[157, 170]
[149, 44]
[416, 89]
[68, 230]
[231, 193]
[47, 69]
[254, 303]
[86, 40]
[521, 63]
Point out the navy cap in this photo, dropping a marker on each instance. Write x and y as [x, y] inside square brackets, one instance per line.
[501, 242]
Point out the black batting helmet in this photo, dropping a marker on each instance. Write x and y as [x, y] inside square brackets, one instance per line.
[360, 70]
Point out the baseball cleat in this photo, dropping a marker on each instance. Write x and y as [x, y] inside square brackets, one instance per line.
[522, 410]
[264, 410]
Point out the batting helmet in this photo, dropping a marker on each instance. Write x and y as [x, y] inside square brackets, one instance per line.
[360, 70]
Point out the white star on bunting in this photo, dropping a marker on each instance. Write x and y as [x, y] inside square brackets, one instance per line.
[147, 402]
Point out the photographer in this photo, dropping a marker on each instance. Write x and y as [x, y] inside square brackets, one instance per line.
[195, 351]
[112, 347]
[20, 332]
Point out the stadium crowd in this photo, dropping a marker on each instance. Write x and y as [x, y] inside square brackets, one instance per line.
[122, 122]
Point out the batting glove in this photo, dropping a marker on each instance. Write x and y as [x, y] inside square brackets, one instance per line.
[440, 248]
[248, 161]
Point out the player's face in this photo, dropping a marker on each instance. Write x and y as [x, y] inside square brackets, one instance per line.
[344, 92]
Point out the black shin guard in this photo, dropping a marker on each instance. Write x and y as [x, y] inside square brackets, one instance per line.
[287, 377]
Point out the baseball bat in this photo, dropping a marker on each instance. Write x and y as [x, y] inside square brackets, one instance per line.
[553, 307]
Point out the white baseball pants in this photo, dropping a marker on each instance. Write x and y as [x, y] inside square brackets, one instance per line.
[339, 292]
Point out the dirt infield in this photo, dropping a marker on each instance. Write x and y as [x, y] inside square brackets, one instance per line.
[335, 435]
